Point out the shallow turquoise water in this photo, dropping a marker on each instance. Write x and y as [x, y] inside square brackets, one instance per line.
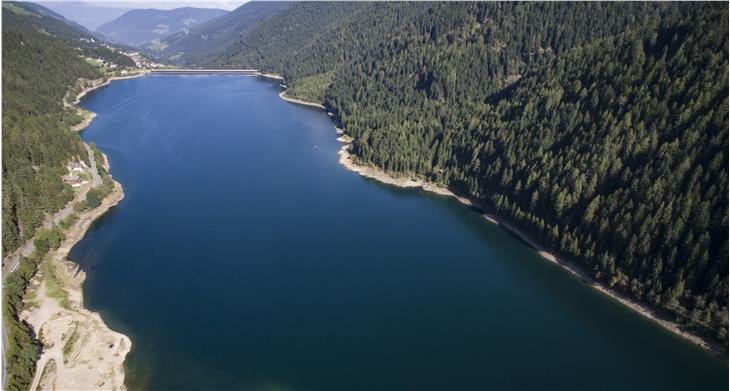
[243, 256]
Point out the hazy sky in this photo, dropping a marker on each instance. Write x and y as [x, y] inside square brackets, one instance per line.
[169, 4]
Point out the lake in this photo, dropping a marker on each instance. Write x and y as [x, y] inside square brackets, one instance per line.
[244, 256]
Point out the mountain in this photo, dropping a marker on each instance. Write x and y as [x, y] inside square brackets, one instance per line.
[89, 15]
[48, 20]
[202, 41]
[137, 27]
[31, 16]
[600, 129]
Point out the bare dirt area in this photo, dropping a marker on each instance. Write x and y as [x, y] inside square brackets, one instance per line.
[80, 352]
[282, 95]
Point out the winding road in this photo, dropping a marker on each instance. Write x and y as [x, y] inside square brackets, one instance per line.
[94, 171]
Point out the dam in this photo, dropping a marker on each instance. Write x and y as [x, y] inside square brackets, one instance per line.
[183, 71]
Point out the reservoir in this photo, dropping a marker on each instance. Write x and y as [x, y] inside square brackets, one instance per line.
[244, 256]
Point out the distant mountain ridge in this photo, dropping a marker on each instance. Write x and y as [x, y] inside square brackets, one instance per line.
[209, 39]
[40, 9]
[141, 26]
[89, 15]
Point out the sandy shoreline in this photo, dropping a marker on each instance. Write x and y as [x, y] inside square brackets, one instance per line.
[282, 95]
[270, 76]
[346, 159]
[79, 350]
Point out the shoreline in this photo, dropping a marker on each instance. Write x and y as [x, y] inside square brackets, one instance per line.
[269, 76]
[282, 95]
[102, 82]
[88, 116]
[346, 160]
[69, 332]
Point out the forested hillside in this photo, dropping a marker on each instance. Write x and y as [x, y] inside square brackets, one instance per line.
[42, 60]
[600, 128]
[140, 26]
[90, 15]
[201, 42]
[47, 19]
[37, 143]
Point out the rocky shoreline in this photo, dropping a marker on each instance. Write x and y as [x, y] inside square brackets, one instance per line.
[347, 160]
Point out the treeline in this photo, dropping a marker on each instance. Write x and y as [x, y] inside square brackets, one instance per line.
[23, 349]
[600, 128]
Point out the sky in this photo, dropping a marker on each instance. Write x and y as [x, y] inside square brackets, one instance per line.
[166, 4]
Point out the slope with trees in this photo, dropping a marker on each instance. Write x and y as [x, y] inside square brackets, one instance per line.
[206, 40]
[599, 128]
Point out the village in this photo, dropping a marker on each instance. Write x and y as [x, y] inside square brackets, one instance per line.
[140, 61]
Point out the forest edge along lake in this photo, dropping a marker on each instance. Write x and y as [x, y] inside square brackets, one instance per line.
[241, 147]
[348, 160]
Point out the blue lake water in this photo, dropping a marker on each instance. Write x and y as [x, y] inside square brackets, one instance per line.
[243, 256]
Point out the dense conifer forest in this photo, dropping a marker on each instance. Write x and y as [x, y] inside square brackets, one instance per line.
[37, 141]
[599, 128]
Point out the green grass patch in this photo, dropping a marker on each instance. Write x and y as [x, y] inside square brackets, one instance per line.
[48, 239]
[47, 369]
[94, 62]
[70, 342]
[69, 221]
[53, 286]
[18, 10]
